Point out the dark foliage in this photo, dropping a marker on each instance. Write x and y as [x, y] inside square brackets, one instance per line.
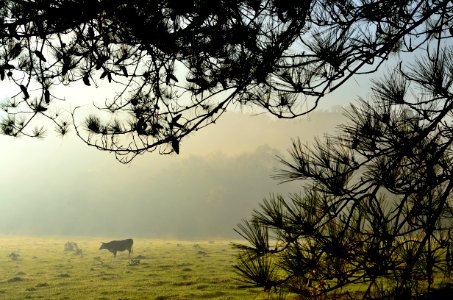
[376, 208]
[178, 65]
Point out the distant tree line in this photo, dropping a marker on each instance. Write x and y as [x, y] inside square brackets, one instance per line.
[375, 207]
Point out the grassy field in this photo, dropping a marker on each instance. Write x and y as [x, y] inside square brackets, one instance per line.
[39, 268]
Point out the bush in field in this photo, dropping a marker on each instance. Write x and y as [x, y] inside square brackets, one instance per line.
[134, 262]
[376, 206]
[13, 256]
[72, 247]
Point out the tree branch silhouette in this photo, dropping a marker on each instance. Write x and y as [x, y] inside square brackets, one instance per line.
[376, 204]
[175, 68]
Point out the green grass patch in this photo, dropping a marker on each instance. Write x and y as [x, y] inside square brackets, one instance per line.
[39, 268]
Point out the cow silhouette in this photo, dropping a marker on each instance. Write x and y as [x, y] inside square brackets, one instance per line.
[115, 246]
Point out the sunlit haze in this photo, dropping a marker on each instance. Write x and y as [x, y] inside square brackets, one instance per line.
[60, 186]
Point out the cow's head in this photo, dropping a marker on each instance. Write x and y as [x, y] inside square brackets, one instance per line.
[102, 246]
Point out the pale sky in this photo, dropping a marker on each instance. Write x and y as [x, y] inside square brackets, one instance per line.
[60, 186]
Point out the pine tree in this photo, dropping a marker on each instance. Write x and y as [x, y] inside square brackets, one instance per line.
[375, 209]
[178, 66]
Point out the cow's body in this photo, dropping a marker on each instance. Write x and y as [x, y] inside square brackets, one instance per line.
[115, 246]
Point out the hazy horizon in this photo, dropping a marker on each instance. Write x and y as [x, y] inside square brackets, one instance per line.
[59, 186]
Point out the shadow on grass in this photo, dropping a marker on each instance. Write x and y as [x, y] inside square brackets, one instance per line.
[445, 292]
[15, 279]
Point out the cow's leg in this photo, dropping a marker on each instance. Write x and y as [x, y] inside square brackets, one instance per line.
[114, 253]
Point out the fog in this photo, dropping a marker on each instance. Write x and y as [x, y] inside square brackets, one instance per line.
[60, 186]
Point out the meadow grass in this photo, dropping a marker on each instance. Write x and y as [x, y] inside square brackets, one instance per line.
[39, 268]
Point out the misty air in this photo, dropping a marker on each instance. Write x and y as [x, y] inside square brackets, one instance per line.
[247, 149]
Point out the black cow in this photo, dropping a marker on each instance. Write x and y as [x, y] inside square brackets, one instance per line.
[115, 246]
